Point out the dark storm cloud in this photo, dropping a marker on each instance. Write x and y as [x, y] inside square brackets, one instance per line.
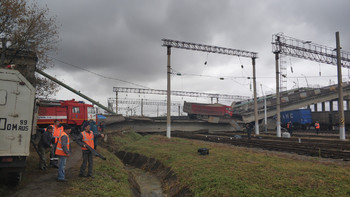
[122, 39]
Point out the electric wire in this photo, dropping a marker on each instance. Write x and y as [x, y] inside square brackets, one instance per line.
[100, 75]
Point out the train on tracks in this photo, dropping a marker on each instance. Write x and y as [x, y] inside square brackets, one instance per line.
[301, 118]
[305, 119]
[330, 120]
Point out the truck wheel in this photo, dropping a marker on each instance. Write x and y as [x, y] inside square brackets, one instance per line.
[14, 178]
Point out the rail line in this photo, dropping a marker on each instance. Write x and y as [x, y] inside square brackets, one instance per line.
[309, 147]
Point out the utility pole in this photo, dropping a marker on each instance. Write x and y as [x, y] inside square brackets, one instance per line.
[157, 110]
[255, 99]
[278, 100]
[73, 90]
[340, 89]
[168, 119]
[116, 102]
[141, 107]
[3, 50]
[265, 109]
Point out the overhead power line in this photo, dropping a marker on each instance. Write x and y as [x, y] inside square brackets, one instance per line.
[100, 75]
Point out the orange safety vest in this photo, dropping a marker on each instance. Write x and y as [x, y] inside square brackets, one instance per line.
[57, 132]
[317, 125]
[59, 149]
[288, 126]
[88, 139]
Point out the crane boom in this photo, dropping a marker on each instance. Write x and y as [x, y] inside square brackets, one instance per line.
[73, 90]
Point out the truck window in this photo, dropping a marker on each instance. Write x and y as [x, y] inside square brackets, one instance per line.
[3, 97]
[76, 110]
[91, 110]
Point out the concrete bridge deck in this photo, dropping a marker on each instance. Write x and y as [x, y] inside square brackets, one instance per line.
[293, 99]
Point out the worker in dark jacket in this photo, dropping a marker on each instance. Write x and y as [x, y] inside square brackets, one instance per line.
[63, 151]
[248, 127]
[101, 127]
[94, 129]
[87, 137]
[44, 143]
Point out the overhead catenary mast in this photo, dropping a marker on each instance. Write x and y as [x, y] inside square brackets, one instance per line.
[289, 46]
[209, 49]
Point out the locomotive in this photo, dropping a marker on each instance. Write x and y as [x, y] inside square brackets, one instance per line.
[71, 112]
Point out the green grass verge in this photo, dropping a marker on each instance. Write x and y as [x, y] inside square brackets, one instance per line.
[110, 179]
[232, 171]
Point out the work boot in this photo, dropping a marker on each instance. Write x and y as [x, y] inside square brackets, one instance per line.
[62, 180]
[91, 176]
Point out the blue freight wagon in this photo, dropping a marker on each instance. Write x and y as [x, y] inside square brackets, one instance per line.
[301, 118]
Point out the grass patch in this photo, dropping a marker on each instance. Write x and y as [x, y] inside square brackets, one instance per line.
[232, 171]
[111, 179]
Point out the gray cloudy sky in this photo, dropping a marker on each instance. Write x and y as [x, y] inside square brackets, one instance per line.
[122, 39]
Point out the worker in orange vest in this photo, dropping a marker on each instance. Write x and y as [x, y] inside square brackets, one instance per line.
[317, 127]
[87, 136]
[57, 131]
[63, 151]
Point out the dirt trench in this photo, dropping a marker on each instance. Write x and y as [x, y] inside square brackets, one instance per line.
[168, 178]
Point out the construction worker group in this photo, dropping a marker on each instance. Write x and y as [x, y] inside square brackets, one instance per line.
[56, 137]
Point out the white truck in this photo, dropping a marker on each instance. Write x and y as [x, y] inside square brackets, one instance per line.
[17, 102]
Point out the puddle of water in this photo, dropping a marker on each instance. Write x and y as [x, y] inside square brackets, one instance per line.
[149, 184]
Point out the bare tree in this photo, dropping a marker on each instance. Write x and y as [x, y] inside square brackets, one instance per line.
[26, 27]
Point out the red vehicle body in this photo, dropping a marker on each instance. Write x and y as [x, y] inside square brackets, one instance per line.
[205, 110]
[69, 112]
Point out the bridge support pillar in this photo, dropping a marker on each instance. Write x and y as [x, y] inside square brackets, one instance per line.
[347, 105]
[315, 107]
[331, 106]
[323, 107]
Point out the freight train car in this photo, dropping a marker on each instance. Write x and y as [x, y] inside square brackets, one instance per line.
[301, 118]
[330, 120]
[202, 110]
[71, 112]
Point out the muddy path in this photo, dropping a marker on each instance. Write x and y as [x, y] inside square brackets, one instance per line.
[45, 184]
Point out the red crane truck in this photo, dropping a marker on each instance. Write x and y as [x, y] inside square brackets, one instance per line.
[71, 112]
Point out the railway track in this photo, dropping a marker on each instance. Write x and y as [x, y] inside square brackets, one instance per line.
[309, 147]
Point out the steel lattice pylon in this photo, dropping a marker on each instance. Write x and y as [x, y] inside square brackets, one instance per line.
[144, 101]
[285, 45]
[307, 50]
[208, 48]
[179, 93]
